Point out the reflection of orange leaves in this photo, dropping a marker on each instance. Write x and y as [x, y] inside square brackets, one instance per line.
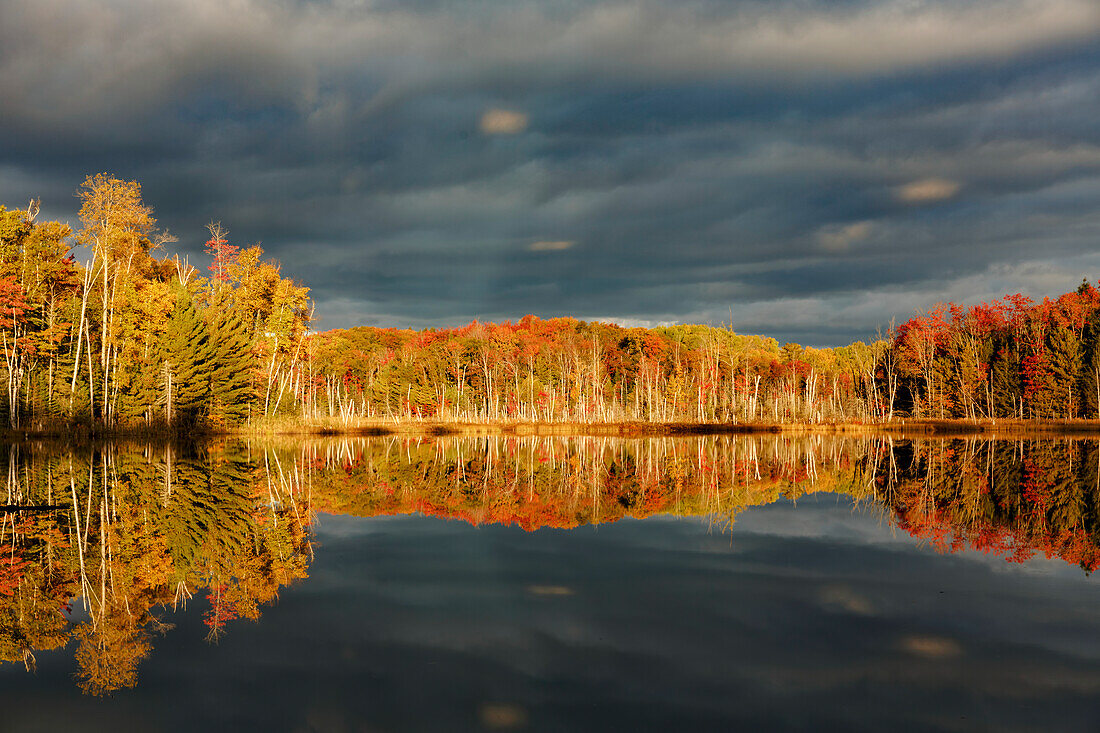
[559, 484]
[222, 610]
[11, 574]
[928, 526]
[1025, 500]
[41, 528]
[108, 656]
[1075, 546]
[983, 485]
[1035, 487]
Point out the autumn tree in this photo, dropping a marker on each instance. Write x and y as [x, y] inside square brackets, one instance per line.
[36, 276]
[121, 231]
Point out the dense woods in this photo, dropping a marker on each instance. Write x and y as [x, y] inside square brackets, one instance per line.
[564, 369]
[134, 338]
[1010, 358]
[1013, 358]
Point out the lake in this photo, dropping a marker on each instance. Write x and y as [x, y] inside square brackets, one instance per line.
[545, 584]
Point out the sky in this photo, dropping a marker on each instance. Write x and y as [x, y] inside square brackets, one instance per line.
[807, 169]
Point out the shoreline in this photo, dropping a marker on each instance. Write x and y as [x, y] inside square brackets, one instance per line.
[897, 428]
[901, 428]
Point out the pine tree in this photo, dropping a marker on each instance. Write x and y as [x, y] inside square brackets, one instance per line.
[187, 359]
[1064, 356]
[141, 390]
[230, 378]
[1089, 376]
[1007, 386]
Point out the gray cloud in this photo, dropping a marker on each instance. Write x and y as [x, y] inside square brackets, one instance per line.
[815, 168]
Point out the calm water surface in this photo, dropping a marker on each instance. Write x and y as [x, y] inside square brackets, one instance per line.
[551, 584]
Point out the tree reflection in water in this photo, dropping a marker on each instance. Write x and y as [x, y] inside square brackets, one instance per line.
[100, 545]
[130, 531]
[1011, 498]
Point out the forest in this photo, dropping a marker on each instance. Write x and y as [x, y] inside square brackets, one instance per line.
[133, 336]
[137, 339]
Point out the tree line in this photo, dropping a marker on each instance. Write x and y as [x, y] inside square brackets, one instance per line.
[137, 338]
[567, 370]
[1012, 358]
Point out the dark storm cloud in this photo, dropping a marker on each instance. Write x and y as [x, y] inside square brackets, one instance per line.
[814, 167]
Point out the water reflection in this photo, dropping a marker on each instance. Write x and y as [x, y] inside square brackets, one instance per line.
[564, 483]
[1015, 499]
[1010, 498]
[131, 531]
[100, 546]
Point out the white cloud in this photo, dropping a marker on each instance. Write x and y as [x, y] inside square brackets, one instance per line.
[927, 190]
[503, 122]
[629, 322]
[551, 246]
[840, 237]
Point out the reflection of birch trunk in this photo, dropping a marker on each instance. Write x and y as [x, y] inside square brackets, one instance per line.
[893, 465]
[85, 586]
[103, 559]
[270, 494]
[167, 475]
[183, 595]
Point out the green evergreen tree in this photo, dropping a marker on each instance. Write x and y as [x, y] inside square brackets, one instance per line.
[140, 392]
[230, 378]
[1005, 368]
[187, 358]
[1064, 355]
[1089, 376]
